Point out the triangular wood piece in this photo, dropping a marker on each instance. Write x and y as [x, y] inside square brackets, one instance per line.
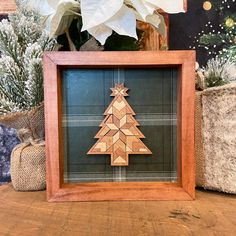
[136, 132]
[100, 147]
[119, 160]
[140, 148]
[130, 119]
[104, 121]
[109, 111]
[119, 105]
[109, 120]
[102, 132]
[128, 149]
[130, 140]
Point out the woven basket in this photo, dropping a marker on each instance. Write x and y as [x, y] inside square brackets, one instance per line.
[200, 166]
[215, 138]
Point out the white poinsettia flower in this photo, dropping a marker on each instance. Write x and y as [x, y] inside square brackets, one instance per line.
[146, 12]
[59, 13]
[100, 17]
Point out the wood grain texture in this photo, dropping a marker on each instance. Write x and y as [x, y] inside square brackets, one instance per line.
[7, 6]
[187, 101]
[54, 62]
[29, 214]
[122, 58]
[152, 40]
[52, 116]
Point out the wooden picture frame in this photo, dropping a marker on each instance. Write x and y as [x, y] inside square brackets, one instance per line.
[57, 190]
[8, 6]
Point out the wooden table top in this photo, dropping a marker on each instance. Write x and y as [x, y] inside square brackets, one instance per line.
[28, 213]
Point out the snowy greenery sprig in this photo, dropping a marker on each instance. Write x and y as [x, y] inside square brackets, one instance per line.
[219, 71]
[22, 43]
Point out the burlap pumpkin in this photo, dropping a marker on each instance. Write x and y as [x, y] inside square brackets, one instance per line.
[28, 164]
[28, 167]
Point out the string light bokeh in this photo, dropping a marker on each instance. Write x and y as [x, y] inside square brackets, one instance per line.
[217, 37]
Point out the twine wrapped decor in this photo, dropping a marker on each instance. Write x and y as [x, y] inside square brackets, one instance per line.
[28, 163]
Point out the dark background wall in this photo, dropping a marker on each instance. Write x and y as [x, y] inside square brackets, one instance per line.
[185, 28]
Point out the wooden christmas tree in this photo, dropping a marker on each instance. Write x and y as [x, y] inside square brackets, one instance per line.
[119, 135]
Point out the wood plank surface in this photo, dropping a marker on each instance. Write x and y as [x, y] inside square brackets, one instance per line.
[108, 59]
[29, 214]
[7, 6]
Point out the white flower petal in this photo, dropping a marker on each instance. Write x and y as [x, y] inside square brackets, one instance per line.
[150, 7]
[59, 27]
[62, 18]
[142, 8]
[158, 21]
[123, 22]
[100, 32]
[48, 23]
[96, 12]
[169, 6]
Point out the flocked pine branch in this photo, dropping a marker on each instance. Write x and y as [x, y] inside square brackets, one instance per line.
[22, 43]
[219, 71]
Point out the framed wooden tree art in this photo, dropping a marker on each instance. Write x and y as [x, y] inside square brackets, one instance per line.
[119, 135]
[120, 125]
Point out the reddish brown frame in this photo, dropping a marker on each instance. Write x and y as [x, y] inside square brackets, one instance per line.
[58, 191]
